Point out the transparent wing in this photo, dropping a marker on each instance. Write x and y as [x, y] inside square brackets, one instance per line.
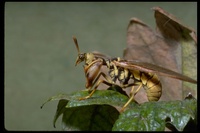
[148, 67]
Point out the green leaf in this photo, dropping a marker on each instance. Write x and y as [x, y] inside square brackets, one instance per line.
[60, 109]
[100, 113]
[89, 118]
[153, 116]
[96, 117]
[73, 109]
[100, 97]
[57, 97]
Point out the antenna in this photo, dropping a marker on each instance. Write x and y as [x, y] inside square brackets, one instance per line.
[76, 43]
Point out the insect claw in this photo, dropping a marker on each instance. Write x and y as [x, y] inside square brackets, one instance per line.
[83, 98]
[122, 110]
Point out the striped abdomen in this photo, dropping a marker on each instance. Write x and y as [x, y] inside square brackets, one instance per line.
[151, 84]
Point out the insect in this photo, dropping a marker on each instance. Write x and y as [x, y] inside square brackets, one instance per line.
[143, 74]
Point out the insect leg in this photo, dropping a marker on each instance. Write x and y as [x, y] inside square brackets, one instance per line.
[108, 82]
[132, 94]
[98, 83]
[136, 90]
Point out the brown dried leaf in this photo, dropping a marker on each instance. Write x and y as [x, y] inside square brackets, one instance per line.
[165, 50]
[172, 29]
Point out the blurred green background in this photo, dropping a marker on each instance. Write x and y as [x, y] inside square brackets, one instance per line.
[40, 53]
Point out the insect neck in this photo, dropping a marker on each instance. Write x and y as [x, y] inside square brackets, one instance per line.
[89, 58]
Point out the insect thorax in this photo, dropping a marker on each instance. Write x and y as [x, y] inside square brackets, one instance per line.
[89, 57]
[118, 73]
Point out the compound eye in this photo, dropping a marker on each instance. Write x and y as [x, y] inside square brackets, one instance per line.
[81, 56]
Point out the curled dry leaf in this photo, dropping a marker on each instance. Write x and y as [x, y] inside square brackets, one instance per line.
[165, 49]
[173, 30]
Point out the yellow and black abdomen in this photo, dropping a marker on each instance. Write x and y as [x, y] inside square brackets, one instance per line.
[151, 84]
